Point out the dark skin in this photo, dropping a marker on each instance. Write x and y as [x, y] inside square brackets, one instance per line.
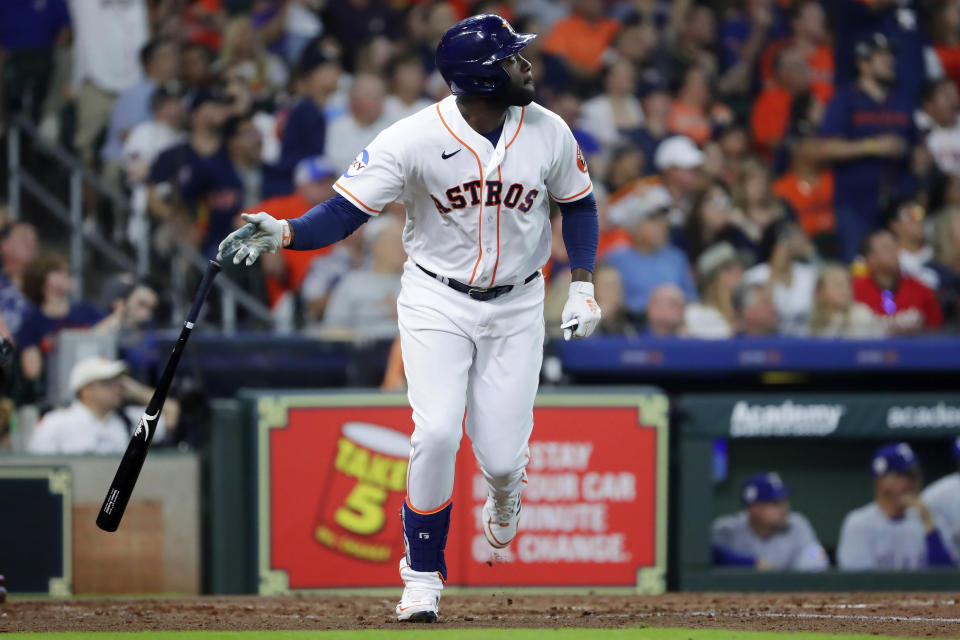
[486, 114]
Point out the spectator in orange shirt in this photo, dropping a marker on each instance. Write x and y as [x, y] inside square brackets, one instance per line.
[810, 37]
[808, 188]
[286, 270]
[693, 113]
[582, 38]
[770, 119]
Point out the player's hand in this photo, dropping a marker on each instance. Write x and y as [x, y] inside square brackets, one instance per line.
[916, 502]
[581, 313]
[262, 234]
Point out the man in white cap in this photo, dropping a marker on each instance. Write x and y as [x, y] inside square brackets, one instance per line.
[679, 160]
[96, 422]
[651, 260]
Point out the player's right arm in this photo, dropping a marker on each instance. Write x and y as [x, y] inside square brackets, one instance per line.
[373, 180]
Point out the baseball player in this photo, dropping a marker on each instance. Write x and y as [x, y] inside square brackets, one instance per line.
[475, 173]
[766, 534]
[943, 499]
[897, 530]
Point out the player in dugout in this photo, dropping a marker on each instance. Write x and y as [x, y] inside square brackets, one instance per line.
[766, 534]
[897, 531]
[943, 499]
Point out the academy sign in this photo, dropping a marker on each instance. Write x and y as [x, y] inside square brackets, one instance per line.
[786, 418]
[938, 416]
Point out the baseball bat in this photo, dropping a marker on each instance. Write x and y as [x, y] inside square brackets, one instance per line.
[129, 470]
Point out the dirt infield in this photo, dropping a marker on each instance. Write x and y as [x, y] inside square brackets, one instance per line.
[916, 615]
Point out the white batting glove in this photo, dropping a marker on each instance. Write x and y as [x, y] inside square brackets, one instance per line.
[262, 234]
[581, 313]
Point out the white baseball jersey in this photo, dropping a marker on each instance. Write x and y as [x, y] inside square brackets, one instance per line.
[943, 499]
[871, 540]
[475, 213]
[795, 548]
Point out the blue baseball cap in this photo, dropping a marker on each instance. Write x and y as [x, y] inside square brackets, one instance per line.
[313, 168]
[896, 457]
[763, 487]
[956, 448]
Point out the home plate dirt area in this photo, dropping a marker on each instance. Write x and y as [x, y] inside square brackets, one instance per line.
[921, 615]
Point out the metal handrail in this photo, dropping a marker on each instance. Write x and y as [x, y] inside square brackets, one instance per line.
[71, 215]
[70, 161]
[58, 209]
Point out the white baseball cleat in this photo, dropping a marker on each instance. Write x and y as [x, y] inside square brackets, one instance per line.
[500, 520]
[421, 595]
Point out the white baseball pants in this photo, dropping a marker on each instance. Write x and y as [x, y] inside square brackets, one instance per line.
[482, 356]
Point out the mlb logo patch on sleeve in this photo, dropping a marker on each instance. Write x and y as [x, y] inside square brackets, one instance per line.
[359, 164]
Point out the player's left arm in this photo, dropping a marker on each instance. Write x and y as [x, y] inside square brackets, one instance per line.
[581, 233]
[569, 185]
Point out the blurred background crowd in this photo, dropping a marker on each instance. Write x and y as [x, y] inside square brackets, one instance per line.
[762, 167]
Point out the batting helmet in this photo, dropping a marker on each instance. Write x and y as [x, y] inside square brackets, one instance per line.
[468, 53]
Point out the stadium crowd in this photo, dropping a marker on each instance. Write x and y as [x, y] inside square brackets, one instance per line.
[762, 167]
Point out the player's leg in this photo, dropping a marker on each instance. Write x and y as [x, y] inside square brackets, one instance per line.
[500, 395]
[437, 355]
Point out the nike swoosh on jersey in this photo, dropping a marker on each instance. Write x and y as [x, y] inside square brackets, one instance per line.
[446, 155]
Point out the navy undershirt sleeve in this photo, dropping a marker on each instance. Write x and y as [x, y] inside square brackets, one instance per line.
[937, 554]
[581, 231]
[723, 556]
[328, 222]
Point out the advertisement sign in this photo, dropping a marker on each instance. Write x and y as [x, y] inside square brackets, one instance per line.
[332, 472]
[819, 415]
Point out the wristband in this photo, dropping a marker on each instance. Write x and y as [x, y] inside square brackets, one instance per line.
[582, 287]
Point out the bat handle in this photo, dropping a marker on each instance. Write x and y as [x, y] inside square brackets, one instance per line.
[213, 268]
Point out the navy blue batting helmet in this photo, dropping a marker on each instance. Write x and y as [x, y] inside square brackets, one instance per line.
[468, 53]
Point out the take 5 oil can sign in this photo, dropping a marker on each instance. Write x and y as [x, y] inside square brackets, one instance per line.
[332, 470]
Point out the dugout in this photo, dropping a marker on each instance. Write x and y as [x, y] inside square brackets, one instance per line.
[826, 465]
[821, 444]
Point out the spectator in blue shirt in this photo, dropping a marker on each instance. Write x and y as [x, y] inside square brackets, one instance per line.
[172, 168]
[29, 33]
[867, 133]
[218, 188]
[651, 261]
[655, 101]
[48, 285]
[305, 132]
[18, 248]
[898, 21]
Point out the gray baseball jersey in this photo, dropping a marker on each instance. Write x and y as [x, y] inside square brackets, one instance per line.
[871, 540]
[943, 499]
[796, 547]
